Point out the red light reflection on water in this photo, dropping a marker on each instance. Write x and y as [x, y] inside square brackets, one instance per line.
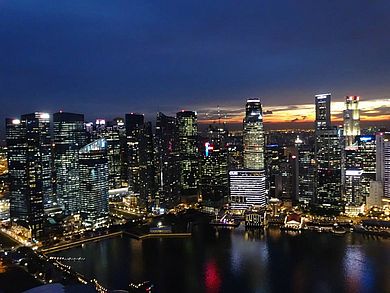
[212, 277]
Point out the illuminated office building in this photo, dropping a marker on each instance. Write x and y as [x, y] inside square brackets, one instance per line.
[361, 155]
[114, 133]
[214, 174]
[306, 171]
[281, 172]
[351, 117]
[253, 135]
[235, 150]
[166, 174]
[367, 153]
[148, 186]
[323, 118]
[352, 187]
[93, 166]
[186, 152]
[30, 168]
[17, 168]
[328, 174]
[69, 137]
[273, 159]
[383, 161]
[247, 189]
[134, 124]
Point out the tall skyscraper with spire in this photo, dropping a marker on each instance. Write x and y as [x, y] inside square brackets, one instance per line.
[253, 136]
[351, 117]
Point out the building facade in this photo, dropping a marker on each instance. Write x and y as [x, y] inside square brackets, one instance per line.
[166, 172]
[253, 135]
[69, 136]
[30, 169]
[351, 117]
[247, 189]
[327, 154]
[186, 154]
[93, 166]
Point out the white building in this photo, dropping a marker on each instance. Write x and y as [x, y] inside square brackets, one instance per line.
[247, 189]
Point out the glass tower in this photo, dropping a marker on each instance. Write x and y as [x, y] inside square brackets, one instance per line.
[134, 124]
[186, 151]
[165, 136]
[327, 154]
[93, 166]
[69, 137]
[253, 136]
[29, 159]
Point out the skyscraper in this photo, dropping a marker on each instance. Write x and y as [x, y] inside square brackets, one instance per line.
[214, 169]
[353, 192]
[134, 124]
[148, 186]
[114, 133]
[322, 111]
[166, 175]
[40, 148]
[186, 153]
[29, 159]
[253, 136]
[247, 189]
[351, 117]
[306, 171]
[360, 168]
[327, 154]
[69, 137]
[17, 169]
[93, 166]
[274, 154]
[383, 162]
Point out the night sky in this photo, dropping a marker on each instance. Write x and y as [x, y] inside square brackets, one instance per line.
[106, 58]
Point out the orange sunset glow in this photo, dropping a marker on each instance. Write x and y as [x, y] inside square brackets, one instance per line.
[377, 110]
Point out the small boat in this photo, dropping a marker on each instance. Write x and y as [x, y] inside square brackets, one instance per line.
[338, 230]
[225, 222]
[290, 228]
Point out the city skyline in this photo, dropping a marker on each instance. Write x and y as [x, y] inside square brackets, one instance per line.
[94, 56]
[194, 146]
[372, 112]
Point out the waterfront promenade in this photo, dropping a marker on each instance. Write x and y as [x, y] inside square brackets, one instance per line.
[64, 246]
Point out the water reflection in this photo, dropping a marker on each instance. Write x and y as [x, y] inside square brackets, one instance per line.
[212, 277]
[222, 260]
